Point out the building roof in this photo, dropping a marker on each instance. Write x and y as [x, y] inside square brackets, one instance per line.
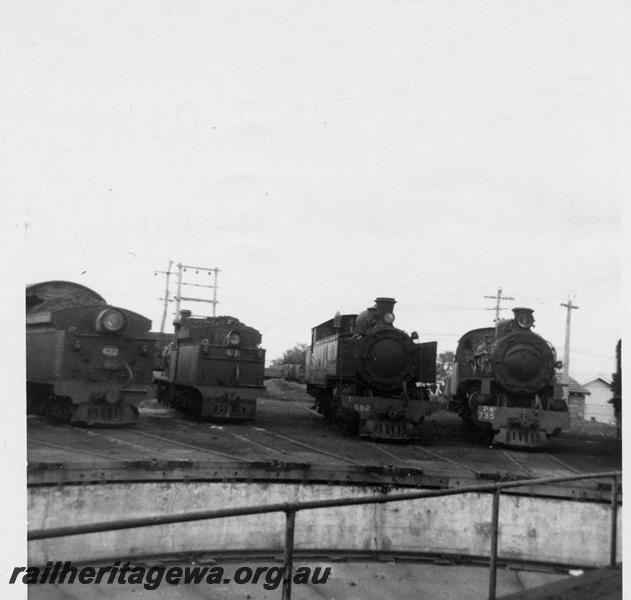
[603, 378]
[574, 387]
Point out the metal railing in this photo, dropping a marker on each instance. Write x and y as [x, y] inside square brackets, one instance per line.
[291, 508]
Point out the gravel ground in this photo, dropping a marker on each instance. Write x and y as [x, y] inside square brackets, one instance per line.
[279, 389]
[443, 422]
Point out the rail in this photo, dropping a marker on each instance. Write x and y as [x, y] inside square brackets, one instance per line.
[291, 508]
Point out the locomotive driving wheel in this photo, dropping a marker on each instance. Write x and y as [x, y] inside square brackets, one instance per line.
[463, 404]
[59, 407]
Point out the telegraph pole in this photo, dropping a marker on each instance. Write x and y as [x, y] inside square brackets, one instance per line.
[498, 298]
[212, 272]
[566, 356]
[178, 294]
[166, 298]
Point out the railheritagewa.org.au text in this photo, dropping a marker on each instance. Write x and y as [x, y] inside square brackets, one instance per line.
[152, 577]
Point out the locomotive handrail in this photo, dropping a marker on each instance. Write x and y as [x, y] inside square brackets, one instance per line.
[291, 508]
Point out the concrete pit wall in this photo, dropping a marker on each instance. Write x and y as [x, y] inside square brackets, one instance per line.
[537, 529]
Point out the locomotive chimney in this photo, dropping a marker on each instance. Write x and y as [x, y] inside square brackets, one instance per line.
[385, 305]
[184, 314]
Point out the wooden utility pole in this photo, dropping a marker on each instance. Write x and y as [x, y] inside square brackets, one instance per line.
[566, 355]
[166, 298]
[498, 298]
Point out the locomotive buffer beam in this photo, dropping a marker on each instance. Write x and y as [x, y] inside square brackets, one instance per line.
[527, 427]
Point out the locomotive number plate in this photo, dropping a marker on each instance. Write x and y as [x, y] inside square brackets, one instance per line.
[232, 352]
[110, 351]
[486, 413]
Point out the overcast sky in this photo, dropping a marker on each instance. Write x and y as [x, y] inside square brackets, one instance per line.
[322, 154]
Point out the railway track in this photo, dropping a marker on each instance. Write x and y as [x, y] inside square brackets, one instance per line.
[292, 442]
[72, 450]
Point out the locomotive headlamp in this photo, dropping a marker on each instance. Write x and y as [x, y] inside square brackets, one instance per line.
[110, 320]
[388, 318]
[523, 317]
[234, 339]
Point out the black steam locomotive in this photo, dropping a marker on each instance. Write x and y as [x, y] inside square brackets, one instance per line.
[86, 361]
[505, 382]
[213, 368]
[370, 377]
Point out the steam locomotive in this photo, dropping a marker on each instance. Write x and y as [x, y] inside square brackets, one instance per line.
[369, 376]
[213, 368]
[505, 382]
[86, 362]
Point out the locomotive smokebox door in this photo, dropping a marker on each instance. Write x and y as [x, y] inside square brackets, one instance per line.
[427, 360]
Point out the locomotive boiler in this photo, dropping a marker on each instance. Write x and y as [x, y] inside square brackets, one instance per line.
[369, 376]
[505, 381]
[87, 362]
[213, 368]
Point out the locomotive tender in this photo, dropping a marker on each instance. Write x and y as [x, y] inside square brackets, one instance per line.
[369, 376]
[86, 361]
[505, 382]
[214, 368]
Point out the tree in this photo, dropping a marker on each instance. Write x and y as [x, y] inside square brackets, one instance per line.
[444, 364]
[296, 355]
